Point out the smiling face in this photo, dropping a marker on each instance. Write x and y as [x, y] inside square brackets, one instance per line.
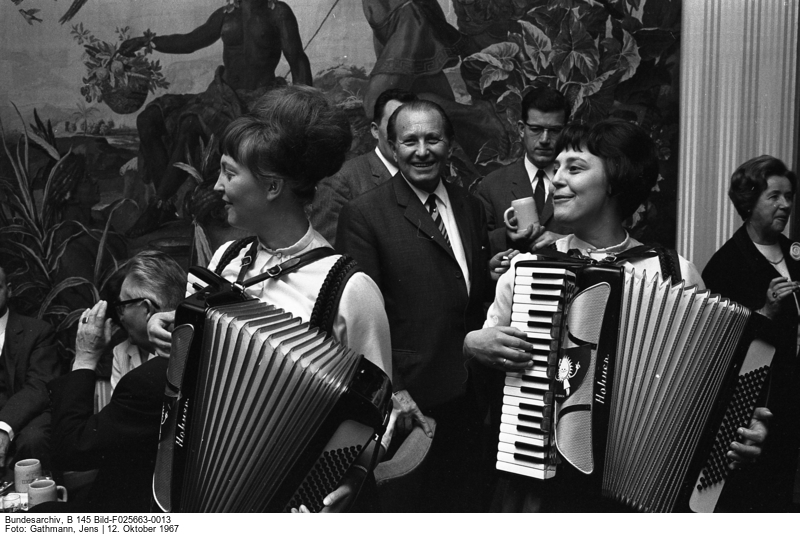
[581, 200]
[773, 208]
[421, 147]
[539, 131]
[245, 196]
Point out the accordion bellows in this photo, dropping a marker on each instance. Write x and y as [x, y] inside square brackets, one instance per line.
[269, 415]
[648, 383]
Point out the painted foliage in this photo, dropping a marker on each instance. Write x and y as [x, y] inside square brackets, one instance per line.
[75, 181]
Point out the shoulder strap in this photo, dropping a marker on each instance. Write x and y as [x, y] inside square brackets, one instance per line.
[330, 293]
[670, 263]
[233, 250]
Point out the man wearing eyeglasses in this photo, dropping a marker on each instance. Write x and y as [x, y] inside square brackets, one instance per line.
[544, 113]
[122, 439]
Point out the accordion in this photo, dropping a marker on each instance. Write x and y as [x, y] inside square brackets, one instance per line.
[262, 413]
[637, 383]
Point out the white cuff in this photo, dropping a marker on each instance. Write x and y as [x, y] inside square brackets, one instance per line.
[7, 428]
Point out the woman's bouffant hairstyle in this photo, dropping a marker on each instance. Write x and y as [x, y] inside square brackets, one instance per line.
[629, 156]
[294, 133]
[750, 180]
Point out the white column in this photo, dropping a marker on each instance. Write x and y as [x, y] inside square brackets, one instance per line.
[738, 94]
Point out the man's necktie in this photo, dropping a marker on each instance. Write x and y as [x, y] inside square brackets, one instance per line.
[437, 217]
[538, 193]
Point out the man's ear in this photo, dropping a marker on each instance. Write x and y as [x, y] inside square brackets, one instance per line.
[373, 128]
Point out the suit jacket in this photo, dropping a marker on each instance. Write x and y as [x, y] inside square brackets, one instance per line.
[498, 189]
[740, 272]
[30, 361]
[356, 176]
[395, 241]
[121, 440]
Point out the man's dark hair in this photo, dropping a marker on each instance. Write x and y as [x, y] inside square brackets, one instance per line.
[384, 98]
[545, 100]
[420, 105]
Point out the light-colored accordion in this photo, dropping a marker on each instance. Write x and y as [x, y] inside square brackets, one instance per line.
[262, 413]
[638, 383]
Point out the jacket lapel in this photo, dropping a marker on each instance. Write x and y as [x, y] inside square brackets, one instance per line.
[520, 182]
[417, 215]
[379, 172]
[462, 221]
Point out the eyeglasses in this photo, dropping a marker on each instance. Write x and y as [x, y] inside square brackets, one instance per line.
[537, 130]
[122, 305]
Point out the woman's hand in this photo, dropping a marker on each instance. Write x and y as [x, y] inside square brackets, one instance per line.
[500, 263]
[779, 289]
[753, 437]
[159, 331]
[94, 335]
[502, 348]
[340, 499]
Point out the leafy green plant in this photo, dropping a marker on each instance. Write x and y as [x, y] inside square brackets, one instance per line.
[107, 69]
[603, 56]
[34, 234]
[203, 200]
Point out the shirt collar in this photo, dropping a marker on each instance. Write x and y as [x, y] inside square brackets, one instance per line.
[389, 165]
[294, 249]
[588, 249]
[531, 168]
[440, 192]
[4, 321]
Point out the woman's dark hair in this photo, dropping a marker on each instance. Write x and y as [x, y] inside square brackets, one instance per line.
[294, 132]
[629, 156]
[750, 180]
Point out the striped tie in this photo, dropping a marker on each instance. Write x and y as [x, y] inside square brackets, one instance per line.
[437, 218]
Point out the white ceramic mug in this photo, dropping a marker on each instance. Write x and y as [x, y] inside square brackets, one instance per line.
[45, 490]
[525, 211]
[25, 471]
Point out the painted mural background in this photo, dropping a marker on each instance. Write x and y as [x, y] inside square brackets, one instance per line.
[72, 180]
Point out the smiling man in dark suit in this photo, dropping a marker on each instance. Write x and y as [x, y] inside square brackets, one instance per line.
[544, 113]
[28, 362]
[424, 242]
[360, 174]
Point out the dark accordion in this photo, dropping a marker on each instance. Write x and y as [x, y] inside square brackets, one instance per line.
[638, 383]
[262, 413]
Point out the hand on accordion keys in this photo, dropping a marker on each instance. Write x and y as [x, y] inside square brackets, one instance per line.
[159, 331]
[502, 348]
[749, 449]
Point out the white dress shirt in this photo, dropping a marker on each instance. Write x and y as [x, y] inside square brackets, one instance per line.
[446, 211]
[389, 165]
[3, 324]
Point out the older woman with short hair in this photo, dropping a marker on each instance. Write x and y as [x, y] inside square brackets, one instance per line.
[759, 267]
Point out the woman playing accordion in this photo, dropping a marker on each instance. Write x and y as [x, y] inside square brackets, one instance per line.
[603, 173]
[272, 159]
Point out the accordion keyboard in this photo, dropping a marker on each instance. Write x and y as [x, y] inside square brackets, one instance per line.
[526, 444]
